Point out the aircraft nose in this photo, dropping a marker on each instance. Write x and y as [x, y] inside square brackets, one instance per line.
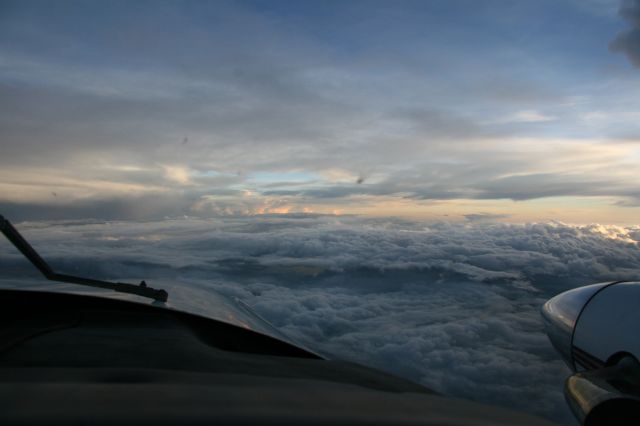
[560, 315]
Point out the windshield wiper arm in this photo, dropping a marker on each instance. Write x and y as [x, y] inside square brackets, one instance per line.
[29, 252]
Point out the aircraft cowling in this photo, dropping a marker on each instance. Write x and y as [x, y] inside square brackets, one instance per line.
[595, 330]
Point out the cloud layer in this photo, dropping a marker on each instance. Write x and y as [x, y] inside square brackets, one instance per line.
[143, 111]
[628, 42]
[453, 306]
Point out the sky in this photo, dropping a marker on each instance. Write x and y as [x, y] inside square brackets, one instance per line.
[520, 111]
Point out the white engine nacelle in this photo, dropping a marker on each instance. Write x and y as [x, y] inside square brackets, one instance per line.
[595, 329]
[592, 326]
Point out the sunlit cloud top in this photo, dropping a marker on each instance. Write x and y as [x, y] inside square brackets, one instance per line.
[460, 109]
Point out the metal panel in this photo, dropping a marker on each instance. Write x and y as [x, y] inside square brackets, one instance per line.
[560, 314]
[609, 323]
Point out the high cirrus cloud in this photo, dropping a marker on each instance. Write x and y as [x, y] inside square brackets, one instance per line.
[452, 306]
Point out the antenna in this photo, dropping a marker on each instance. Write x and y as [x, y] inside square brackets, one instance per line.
[29, 252]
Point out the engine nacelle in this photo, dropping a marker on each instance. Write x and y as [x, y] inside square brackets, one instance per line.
[595, 330]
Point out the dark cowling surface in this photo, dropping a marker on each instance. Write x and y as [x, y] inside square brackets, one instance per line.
[68, 359]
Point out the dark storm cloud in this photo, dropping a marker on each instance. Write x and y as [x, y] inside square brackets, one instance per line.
[628, 42]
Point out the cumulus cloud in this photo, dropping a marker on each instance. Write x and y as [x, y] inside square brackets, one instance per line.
[628, 42]
[452, 306]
